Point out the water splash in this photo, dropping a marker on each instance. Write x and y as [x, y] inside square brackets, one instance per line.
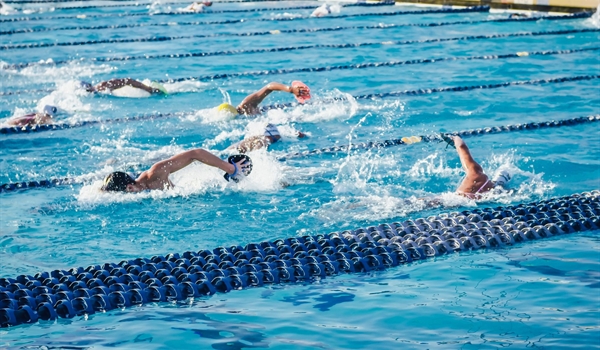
[594, 21]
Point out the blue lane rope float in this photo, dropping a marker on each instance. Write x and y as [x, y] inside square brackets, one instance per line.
[346, 67]
[138, 4]
[447, 89]
[11, 187]
[377, 64]
[284, 31]
[180, 13]
[149, 3]
[57, 126]
[80, 291]
[409, 140]
[269, 32]
[306, 47]
[231, 21]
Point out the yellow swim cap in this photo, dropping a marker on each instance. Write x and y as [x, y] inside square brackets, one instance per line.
[228, 109]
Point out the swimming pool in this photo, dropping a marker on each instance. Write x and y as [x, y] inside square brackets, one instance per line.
[537, 294]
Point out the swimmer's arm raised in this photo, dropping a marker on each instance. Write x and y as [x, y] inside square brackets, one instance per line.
[252, 101]
[466, 159]
[165, 167]
[114, 84]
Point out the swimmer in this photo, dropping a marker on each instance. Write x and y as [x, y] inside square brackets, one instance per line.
[325, 10]
[249, 106]
[157, 177]
[518, 15]
[270, 136]
[114, 86]
[45, 117]
[475, 182]
[197, 6]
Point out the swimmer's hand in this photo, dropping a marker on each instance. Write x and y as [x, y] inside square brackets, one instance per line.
[449, 139]
[301, 135]
[299, 91]
[244, 166]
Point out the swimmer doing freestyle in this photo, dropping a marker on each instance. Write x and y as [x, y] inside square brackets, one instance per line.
[157, 177]
[250, 107]
[114, 85]
[476, 182]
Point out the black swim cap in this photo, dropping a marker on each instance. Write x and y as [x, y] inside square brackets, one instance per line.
[117, 181]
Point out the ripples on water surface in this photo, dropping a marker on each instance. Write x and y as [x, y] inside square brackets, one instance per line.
[540, 294]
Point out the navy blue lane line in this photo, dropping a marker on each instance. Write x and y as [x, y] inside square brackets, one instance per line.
[345, 67]
[376, 65]
[149, 3]
[310, 7]
[409, 140]
[446, 89]
[277, 32]
[54, 127]
[10, 187]
[307, 47]
[286, 31]
[231, 21]
[181, 277]
[137, 4]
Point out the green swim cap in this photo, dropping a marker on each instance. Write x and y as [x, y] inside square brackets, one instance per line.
[228, 109]
[159, 86]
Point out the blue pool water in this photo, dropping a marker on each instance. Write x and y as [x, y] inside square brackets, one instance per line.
[539, 294]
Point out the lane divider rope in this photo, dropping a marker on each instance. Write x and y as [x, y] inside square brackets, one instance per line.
[376, 65]
[231, 21]
[57, 126]
[138, 4]
[409, 140]
[181, 13]
[345, 67]
[305, 47]
[11, 187]
[175, 277]
[149, 3]
[268, 32]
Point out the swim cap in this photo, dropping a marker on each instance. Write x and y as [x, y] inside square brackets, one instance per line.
[87, 86]
[51, 110]
[117, 182]
[238, 175]
[228, 110]
[271, 131]
[158, 86]
[501, 178]
[305, 91]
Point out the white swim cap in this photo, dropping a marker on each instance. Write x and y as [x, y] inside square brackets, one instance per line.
[271, 130]
[501, 178]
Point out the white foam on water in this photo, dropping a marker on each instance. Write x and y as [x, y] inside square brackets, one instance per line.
[361, 195]
[186, 86]
[593, 21]
[342, 109]
[73, 70]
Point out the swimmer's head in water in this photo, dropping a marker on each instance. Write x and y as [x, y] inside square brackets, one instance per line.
[501, 178]
[87, 86]
[272, 133]
[50, 110]
[239, 173]
[228, 110]
[158, 86]
[117, 182]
